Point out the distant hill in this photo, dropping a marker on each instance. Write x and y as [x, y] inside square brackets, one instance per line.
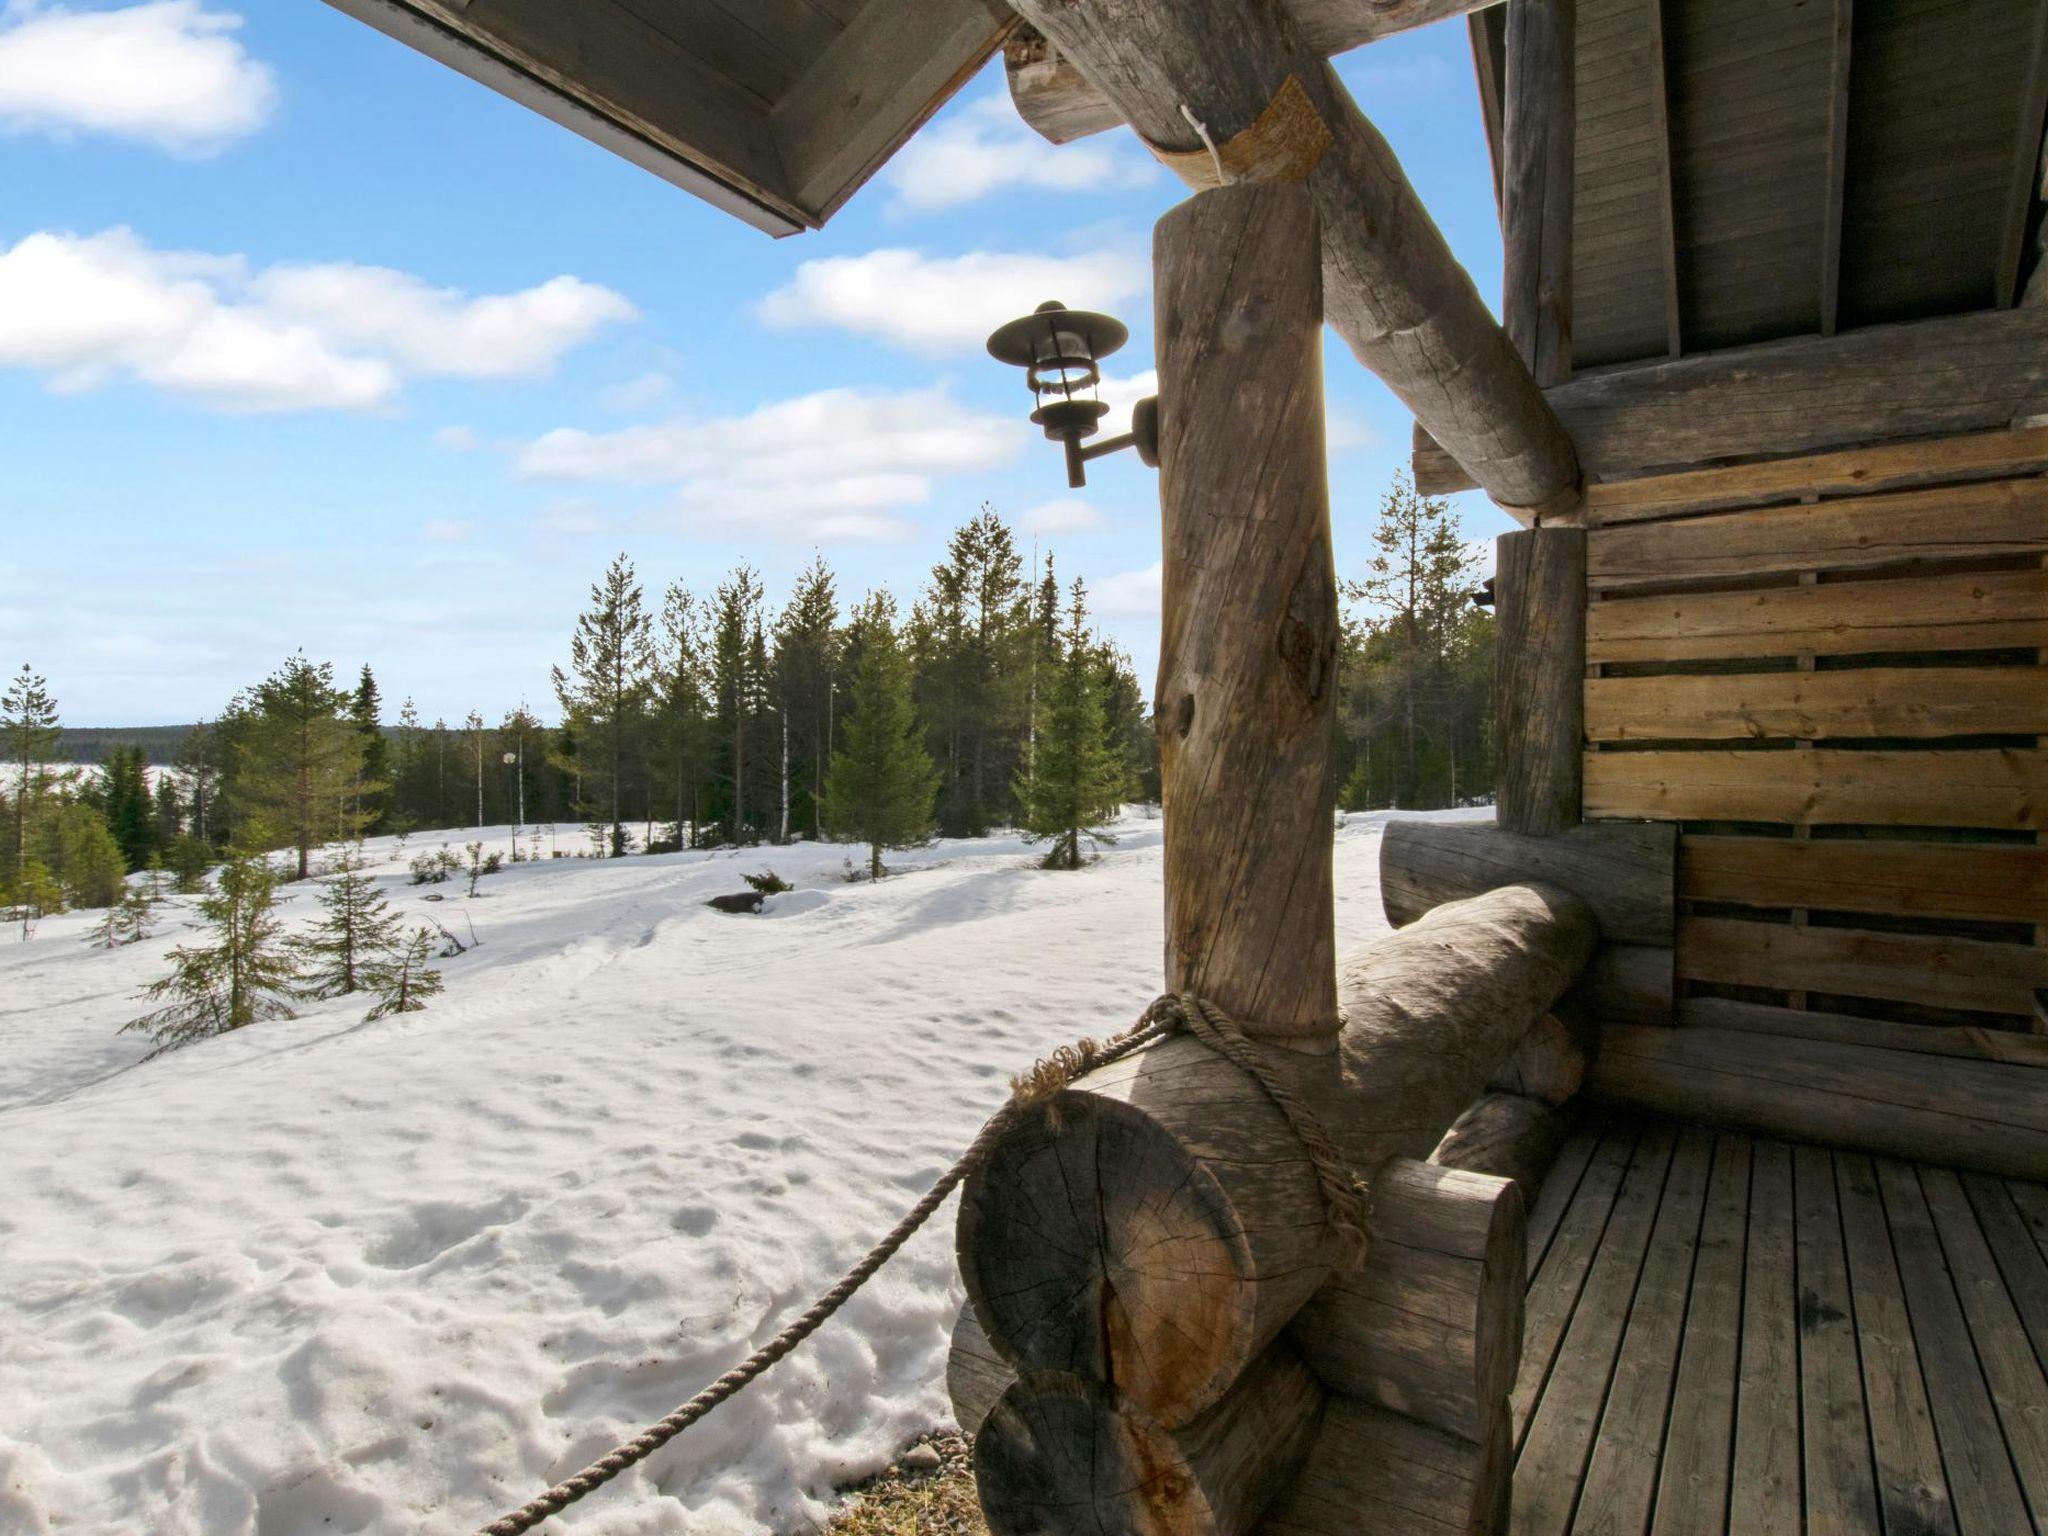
[89, 743]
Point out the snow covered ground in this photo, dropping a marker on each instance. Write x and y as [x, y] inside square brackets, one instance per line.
[328, 1276]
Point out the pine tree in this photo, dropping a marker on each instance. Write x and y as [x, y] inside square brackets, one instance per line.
[1079, 773]
[610, 655]
[972, 634]
[406, 979]
[245, 975]
[881, 785]
[74, 845]
[365, 711]
[28, 735]
[357, 927]
[34, 894]
[735, 693]
[806, 656]
[198, 765]
[682, 720]
[298, 762]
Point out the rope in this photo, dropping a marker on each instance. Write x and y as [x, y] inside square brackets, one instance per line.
[1047, 1077]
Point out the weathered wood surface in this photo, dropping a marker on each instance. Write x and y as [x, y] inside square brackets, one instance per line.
[1055, 98]
[1624, 871]
[1391, 286]
[976, 1375]
[1629, 984]
[1374, 1471]
[1539, 589]
[1159, 1223]
[1993, 517]
[1550, 1063]
[1539, 121]
[1981, 610]
[2014, 1046]
[1763, 1491]
[1892, 702]
[1990, 787]
[1936, 970]
[1509, 1135]
[1928, 378]
[1985, 881]
[1841, 1485]
[1970, 1114]
[1060, 1454]
[1430, 1326]
[1247, 686]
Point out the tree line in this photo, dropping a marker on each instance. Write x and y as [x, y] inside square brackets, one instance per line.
[701, 718]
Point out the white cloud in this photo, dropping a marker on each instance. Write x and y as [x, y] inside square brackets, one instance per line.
[987, 147]
[940, 302]
[842, 464]
[456, 439]
[446, 530]
[169, 72]
[1344, 431]
[1120, 392]
[1069, 514]
[1131, 594]
[641, 394]
[83, 310]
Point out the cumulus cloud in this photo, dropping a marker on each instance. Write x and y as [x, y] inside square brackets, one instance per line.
[168, 72]
[1069, 514]
[84, 310]
[937, 303]
[841, 464]
[987, 147]
[641, 394]
[1131, 594]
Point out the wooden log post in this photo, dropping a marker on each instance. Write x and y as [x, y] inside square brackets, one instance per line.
[1247, 687]
[1276, 112]
[1539, 689]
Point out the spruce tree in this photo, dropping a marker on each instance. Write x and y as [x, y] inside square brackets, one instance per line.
[246, 974]
[356, 928]
[806, 654]
[198, 765]
[365, 712]
[680, 710]
[34, 894]
[298, 763]
[1079, 774]
[28, 735]
[406, 978]
[605, 688]
[972, 638]
[881, 784]
[735, 695]
[123, 793]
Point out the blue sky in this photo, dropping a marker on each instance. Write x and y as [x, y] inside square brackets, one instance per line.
[308, 342]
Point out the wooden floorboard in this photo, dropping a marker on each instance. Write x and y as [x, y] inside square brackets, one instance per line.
[1735, 1337]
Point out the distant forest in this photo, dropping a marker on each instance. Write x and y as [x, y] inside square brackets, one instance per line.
[699, 719]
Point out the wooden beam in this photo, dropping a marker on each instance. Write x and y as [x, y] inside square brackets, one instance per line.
[1390, 285]
[1489, 69]
[1996, 883]
[1896, 702]
[1667, 215]
[1056, 98]
[1537, 126]
[1247, 684]
[1624, 871]
[2029, 165]
[1928, 378]
[1837, 168]
[1989, 787]
[1540, 668]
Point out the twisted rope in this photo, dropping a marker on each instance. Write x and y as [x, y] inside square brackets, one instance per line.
[1047, 1078]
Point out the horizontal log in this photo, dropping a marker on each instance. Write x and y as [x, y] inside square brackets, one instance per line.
[1430, 1326]
[1060, 1454]
[1158, 1223]
[1979, 372]
[1987, 882]
[1982, 610]
[2015, 1047]
[1623, 871]
[2001, 787]
[1994, 517]
[1374, 1471]
[1510, 1135]
[1628, 984]
[1870, 702]
[1857, 472]
[1550, 1063]
[1932, 1109]
[1938, 971]
[1060, 102]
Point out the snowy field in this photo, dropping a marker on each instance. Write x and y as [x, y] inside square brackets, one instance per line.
[328, 1276]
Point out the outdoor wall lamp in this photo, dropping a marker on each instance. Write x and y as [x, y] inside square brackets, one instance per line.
[1061, 351]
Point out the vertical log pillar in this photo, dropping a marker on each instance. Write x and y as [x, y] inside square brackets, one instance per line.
[1539, 690]
[1537, 128]
[1248, 645]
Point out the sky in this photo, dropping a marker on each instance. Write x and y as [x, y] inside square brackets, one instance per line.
[309, 343]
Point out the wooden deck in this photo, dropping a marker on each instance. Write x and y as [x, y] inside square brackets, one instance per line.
[1731, 1335]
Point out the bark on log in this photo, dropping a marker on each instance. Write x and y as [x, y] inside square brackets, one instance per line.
[1625, 871]
[1060, 1454]
[1158, 1223]
[1376, 1472]
[1391, 286]
[1430, 1326]
[1540, 679]
[1537, 127]
[1248, 631]
[1509, 1135]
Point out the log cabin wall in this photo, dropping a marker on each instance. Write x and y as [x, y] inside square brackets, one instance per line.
[1828, 671]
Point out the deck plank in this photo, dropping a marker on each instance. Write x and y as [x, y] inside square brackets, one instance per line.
[1982, 1483]
[1911, 1486]
[1560, 1186]
[1763, 1496]
[2020, 1260]
[1692, 1483]
[1560, 1438]
[1841, 1490]
[1620, 1486]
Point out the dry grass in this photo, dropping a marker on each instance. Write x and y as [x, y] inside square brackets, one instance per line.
[903, 1502]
